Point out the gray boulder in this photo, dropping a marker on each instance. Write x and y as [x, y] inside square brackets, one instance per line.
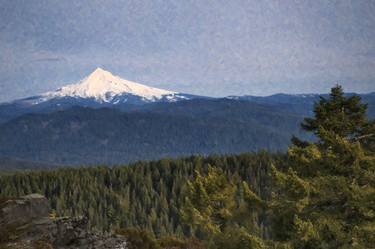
[25, 223]
[23, 210]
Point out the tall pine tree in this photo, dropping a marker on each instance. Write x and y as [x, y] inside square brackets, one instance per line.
[326, 199]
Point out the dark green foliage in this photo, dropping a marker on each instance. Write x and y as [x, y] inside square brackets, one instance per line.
[171, 242]
[343, 116]
[139, 239]
[147, 195]
[209, 203]
[326, 198]
[143, 239]
[222, 214]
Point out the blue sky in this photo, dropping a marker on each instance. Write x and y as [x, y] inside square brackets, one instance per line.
[214, 48]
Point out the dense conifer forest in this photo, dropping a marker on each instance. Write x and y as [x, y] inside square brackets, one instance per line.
[147, 195]
[319, 194]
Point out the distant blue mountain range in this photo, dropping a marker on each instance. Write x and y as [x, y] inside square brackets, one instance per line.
[105, 119]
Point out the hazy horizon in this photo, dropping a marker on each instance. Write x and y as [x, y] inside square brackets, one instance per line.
[285, 93]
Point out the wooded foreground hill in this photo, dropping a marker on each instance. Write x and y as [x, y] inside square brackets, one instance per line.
[148, 195]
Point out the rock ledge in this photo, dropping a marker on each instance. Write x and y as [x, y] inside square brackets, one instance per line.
[25, 223]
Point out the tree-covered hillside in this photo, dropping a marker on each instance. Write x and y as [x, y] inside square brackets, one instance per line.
[323, 198]
[127, 133]
[91, 136]
[319, 195]
[147, 195]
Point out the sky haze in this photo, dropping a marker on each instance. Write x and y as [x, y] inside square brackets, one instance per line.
[214, 48]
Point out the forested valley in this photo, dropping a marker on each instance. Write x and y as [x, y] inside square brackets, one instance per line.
[319, 194]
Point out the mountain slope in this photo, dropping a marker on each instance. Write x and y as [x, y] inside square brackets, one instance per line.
[100, 89]
[103, 89]
[84, 135]
[303, 103]
[102, 86]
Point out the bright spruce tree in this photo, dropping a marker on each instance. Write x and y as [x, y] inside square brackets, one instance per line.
[215, 216]
[326, 199]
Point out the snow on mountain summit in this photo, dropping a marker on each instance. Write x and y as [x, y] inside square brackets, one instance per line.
[103, 86]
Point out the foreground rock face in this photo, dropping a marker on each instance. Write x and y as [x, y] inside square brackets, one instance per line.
[25, 223]
[24, 210]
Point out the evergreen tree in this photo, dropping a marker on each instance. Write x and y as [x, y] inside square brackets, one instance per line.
[209, 203]
[343, 116]
[212, 211]
[326, 198]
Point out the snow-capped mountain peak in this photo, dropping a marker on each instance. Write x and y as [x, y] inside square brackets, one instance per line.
[103, 86]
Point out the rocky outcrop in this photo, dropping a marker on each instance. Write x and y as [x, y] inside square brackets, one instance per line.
[74, 233]
[25, 223]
